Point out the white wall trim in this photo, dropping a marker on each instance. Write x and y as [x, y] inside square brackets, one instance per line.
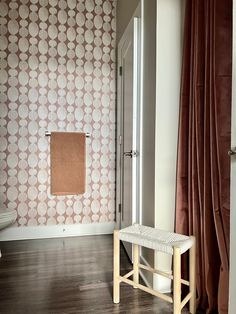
[42, 232]
[136, 119]
[141, 117]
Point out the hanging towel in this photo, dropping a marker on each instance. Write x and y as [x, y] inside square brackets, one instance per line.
[67, 163]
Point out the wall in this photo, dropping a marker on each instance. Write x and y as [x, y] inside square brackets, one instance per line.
[125, 10]
[57, 73]
[232, 289]
[147, 153]
[170, 16]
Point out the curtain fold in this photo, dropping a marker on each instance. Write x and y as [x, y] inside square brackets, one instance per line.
[203, 167]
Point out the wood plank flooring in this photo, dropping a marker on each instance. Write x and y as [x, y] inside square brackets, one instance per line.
[67, 276]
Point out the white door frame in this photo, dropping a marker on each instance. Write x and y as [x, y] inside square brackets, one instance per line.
[135, 21]
[232, 268]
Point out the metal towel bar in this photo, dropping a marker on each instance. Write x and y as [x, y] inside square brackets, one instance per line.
[47, 133]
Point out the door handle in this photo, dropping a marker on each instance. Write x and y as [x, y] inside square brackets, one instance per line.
[130, 154]
[232, 152]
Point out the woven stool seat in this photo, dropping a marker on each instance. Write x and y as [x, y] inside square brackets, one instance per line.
[160, 240]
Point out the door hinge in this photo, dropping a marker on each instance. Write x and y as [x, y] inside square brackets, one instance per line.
[120, 139]
[120, 70]
[118, 212]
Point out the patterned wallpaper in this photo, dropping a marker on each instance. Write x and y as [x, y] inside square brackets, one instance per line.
[57, 72]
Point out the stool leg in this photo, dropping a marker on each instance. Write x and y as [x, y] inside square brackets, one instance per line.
[192, 277]
[135, 263]
[177, 281]
[116, 268]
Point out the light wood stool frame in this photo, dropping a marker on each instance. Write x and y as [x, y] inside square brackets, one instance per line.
[176, 277]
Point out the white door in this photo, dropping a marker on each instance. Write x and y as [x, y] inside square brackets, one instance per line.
[232, 289]
[127, 123]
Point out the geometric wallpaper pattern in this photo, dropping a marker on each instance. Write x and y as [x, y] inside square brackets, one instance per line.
[57, 73]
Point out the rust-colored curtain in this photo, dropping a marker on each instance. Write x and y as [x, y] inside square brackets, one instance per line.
[203, 168]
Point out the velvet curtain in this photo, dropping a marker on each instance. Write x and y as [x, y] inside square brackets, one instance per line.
[203, 167]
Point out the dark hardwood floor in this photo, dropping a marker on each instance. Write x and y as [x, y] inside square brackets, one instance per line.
[67, 275]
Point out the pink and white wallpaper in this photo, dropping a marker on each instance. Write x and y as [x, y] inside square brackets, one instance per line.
[57, 73]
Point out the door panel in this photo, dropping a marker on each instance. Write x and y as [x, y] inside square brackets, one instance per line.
[127, 136]
[127, 77]
[127, 125]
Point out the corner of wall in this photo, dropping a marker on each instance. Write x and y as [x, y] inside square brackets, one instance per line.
[168, 73]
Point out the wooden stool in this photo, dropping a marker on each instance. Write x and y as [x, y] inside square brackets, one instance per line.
[162, 241]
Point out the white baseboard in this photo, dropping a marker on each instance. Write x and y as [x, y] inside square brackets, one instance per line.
[43, 232]
[144, 262]
[160, 283]
[163, 262]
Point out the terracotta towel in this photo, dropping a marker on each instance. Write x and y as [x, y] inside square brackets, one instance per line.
[67, 163]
